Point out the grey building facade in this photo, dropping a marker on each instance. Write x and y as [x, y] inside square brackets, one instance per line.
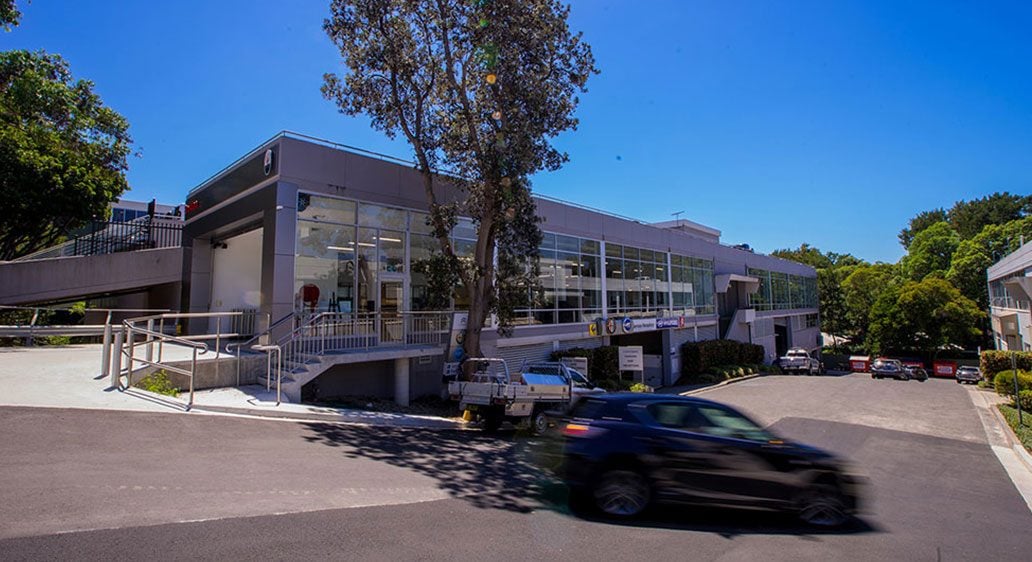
[301, 225]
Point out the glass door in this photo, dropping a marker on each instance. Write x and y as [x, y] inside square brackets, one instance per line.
[391, 305]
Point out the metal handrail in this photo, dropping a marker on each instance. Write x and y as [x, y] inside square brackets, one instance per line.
[130, 330]
[268, 331]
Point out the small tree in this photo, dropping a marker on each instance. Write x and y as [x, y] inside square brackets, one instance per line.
[479, 88]
[62, 152]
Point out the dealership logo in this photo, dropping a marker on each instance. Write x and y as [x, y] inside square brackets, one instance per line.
[610, 326]
[628, 324]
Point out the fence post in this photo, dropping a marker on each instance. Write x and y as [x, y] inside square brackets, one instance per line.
[105, 355]
[148, 352]
[116, 363]
[193, 371]
[32, 327]
[130, 339]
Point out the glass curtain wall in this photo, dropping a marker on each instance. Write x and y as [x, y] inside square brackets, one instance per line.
[692, 285]
[783, 291]
[570, 278]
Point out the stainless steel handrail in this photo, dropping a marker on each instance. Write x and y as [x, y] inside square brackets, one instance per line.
[132, 330]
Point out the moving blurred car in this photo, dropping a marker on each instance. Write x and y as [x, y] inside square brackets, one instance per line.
[888, 368]
[968, 374]
[624, 451]
[916, 373]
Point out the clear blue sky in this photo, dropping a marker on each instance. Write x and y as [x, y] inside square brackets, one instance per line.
[828, 122]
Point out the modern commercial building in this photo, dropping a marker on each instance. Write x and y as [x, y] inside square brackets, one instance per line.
[1010, 295]
[303, 227]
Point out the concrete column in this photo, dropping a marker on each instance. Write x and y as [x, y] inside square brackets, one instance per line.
[401, 381]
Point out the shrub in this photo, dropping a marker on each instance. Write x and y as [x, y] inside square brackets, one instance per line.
[158, 383]
[993, 362]
[701, 357]
[640, 387]
[603, 362]
[1025, 398]
[1004, 382]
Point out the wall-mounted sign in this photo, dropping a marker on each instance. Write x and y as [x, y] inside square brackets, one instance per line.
[644, 324]
[631, 358]
[628, 324]
[610, 326]
[669, 322]
[594, 328]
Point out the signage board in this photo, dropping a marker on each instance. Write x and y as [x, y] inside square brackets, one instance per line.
[579, 364]
[670, 322]
[644, 324]
[631, 358]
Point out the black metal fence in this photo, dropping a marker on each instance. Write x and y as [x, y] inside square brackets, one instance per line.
[109, 237]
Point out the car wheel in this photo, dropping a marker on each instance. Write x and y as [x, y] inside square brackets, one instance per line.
[622, 493]
[539, 423]
[822, 506]
[960, 382]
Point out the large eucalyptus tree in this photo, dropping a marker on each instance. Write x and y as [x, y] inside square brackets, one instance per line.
[478, 89]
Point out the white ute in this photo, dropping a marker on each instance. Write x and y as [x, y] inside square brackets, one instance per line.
[494, 395]
[798, 361]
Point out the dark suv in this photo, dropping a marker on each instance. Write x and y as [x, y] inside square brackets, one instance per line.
[624, 451]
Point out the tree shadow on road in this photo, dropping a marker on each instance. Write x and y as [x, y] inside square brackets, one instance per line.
[489, 471]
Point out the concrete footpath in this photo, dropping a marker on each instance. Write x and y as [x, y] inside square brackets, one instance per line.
[69, 377]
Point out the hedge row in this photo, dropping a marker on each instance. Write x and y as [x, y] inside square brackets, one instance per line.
[993, 362]
[700, 357]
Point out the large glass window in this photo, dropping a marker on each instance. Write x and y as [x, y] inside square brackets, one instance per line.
[691, 283]
[636, 280]
[570, 281]
[783, 291]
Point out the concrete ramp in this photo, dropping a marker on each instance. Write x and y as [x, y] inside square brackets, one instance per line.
[74, 277]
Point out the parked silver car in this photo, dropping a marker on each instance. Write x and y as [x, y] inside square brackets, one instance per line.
[968, 374]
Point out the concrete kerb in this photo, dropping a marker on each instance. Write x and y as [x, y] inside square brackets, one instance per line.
[327, 415]
[1015, 443]
[721, 384]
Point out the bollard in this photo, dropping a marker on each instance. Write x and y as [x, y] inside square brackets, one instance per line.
[116, 363]
[105, 354]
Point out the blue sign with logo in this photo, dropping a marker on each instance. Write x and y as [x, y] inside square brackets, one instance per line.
[669, 322]
[628, 325]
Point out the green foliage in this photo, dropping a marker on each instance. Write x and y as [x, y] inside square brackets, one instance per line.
[1023, 432]
[9, 14]
[1004, 382]
[861, 289]
[158, 383]
[969, 218]
[923, 220]
[930, 252]
[479, 89]
[62, 152]
[1025, 399]
[640, 387]
[923, 316]
[974, 256]
[993, 361]
[700, 357]
[603, 363]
